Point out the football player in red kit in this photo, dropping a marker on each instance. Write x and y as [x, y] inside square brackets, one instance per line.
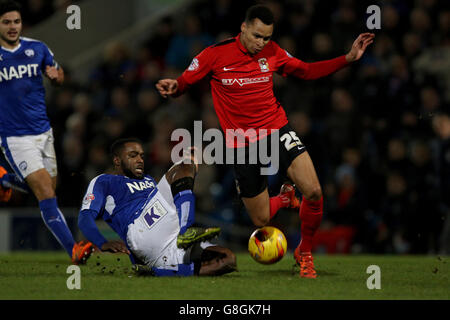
[241, 70]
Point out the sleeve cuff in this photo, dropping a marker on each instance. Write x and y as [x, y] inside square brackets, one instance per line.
[182, 86]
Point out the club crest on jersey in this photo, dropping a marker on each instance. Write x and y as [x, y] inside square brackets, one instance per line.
[29, 53]
[194, 65]
[23, 166]
[264, 65]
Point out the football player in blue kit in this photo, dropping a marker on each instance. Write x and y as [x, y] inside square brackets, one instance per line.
[153, 219]
[26, 138]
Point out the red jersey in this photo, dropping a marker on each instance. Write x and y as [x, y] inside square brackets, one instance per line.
[242, 83]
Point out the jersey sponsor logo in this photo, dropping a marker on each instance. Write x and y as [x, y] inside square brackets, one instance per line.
[29, 53]
[194, 65]
[263, 65]
[154, 214]
[140, 186]
[244, 81]
[30, 70]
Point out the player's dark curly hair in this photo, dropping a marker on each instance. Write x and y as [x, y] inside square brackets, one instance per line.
[261, 12]
[8, 6]
[117, 146]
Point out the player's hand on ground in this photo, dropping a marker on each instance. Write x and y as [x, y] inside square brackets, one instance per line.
[167, 87]
[51, 72]
[359, 46]
[115, 246]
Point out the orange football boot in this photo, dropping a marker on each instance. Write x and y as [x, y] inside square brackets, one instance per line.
[5, 193]
[81, 252]
[305, 261]
[289, 190]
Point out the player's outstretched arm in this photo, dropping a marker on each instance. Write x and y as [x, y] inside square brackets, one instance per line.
[319, 69]
[359, 46]
[87, 225]
[167, 87]
[56, 75]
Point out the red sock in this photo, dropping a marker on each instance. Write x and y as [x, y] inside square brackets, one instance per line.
[278, 202]
[310, 216]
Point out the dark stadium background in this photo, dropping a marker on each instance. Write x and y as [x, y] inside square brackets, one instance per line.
[370, 128]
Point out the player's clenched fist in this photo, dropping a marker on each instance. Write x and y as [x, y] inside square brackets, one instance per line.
[167, 87]
[51, 72]
[56, 75]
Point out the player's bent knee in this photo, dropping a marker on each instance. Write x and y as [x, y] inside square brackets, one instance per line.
[42, 189]
[43, 192]
[314, 194]
[179, 171]
[258, 209]
[181, 177]
[259, 216]
[260, 221]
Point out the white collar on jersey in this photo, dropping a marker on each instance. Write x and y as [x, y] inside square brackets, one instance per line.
[12, 50]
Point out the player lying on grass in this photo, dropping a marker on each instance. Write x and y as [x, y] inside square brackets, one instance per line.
[152, 219]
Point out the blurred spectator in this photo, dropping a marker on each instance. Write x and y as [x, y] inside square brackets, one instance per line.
[389, 228]
[218, 16]
[425, 224]
[441, 126]
[160, 39]
[35, 11]
[98, 159]
[190, 40]
[117, 68]
[341, 124]
[396, 157]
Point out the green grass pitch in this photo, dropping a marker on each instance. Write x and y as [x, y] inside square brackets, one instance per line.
[42, 275]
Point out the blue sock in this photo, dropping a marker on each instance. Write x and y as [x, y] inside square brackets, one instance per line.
[183, 270]
[185, 203]
[11, 180]
[54, 220]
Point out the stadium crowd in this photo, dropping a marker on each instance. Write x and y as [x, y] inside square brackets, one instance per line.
[374, 130]
[35, 11]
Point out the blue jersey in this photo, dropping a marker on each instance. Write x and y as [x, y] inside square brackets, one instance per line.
[22, 104]
[118, 199]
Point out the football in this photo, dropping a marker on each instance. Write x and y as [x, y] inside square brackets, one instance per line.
[267, 245]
